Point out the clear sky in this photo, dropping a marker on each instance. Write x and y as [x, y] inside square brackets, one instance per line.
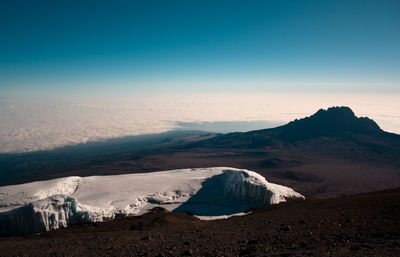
[87, 47]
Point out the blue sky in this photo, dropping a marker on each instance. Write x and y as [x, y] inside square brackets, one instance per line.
[90, 47]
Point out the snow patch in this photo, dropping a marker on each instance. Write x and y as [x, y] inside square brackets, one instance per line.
[209, 192]
[65, 186]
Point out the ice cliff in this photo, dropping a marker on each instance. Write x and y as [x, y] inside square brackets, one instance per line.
[47, 205]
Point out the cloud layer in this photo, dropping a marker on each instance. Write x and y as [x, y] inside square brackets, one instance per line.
[40, 124]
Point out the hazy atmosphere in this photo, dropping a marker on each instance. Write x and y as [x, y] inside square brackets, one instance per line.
[30, 124]
[77, 71]
[77, 47]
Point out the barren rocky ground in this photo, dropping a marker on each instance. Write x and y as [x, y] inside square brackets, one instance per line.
[330, 157]
[360, 225]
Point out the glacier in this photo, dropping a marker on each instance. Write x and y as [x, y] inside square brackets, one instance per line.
[205, 192]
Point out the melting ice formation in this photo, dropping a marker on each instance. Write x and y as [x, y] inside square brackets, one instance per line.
[46, 205]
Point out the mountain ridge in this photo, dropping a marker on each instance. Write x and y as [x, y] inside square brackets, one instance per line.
[338, 121]
[332, 160]
[329, 122]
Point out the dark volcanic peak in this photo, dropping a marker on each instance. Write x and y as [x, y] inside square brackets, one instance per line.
[328, 122]
[335, 121]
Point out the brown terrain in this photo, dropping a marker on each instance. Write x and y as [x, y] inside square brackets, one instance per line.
[360, 225]
[330, 157]
[332, 153]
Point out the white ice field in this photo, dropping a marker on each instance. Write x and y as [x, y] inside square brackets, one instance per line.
[205, 192]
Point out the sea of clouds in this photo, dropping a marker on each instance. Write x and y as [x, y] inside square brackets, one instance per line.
[41, 123]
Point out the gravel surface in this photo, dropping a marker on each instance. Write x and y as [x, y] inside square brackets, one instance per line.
[360, 225]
